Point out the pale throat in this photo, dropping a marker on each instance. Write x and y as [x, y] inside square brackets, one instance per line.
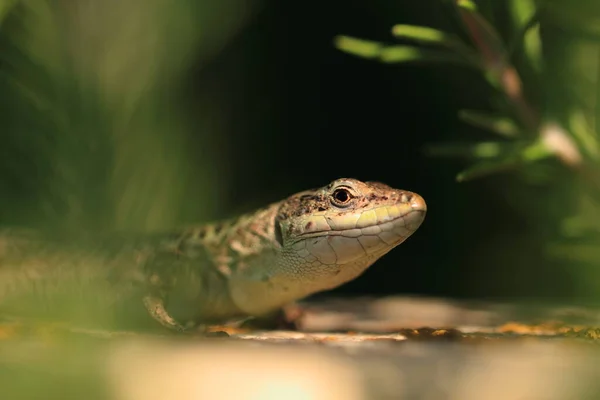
[284, 277]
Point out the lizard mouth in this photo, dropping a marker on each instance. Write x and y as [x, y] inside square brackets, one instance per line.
[406, 223]
[351, 245]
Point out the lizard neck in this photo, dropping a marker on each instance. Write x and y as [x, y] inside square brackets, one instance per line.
[261, 274]
[219, 263]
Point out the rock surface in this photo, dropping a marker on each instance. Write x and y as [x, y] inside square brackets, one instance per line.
[396, 348]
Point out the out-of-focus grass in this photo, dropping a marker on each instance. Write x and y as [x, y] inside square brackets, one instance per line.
[542, 60]
[94, 132]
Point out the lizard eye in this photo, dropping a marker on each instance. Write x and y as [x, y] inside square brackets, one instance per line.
[341, 197]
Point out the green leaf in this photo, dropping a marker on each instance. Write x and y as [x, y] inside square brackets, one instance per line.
[396, 54]
[533, 46]
[522, 10]
[536, 151]
[501, 125]
[480, 150]
[515, 157]
[467, 4]
[527, 37]
[432, 36]
[488, 168]
[423, 34]
[358, 47]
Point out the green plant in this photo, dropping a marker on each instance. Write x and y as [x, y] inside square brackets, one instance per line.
[544, 70]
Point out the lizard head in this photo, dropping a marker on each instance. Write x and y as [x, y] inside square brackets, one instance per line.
[332, 234]
[326, 237]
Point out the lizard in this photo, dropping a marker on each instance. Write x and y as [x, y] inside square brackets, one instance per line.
[245, 267]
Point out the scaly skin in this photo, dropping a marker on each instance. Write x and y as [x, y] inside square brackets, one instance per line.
[251, 266]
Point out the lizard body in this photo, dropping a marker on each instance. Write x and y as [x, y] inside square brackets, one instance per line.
[249, 266]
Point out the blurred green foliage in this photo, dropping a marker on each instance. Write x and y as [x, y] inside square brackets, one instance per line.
[542, 58]
[96, 133]
[94, 129]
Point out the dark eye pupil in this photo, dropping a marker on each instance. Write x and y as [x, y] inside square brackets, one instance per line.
[341, 195]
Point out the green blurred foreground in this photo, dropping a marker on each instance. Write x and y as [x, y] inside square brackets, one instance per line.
[94, 129]
[482, 362]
